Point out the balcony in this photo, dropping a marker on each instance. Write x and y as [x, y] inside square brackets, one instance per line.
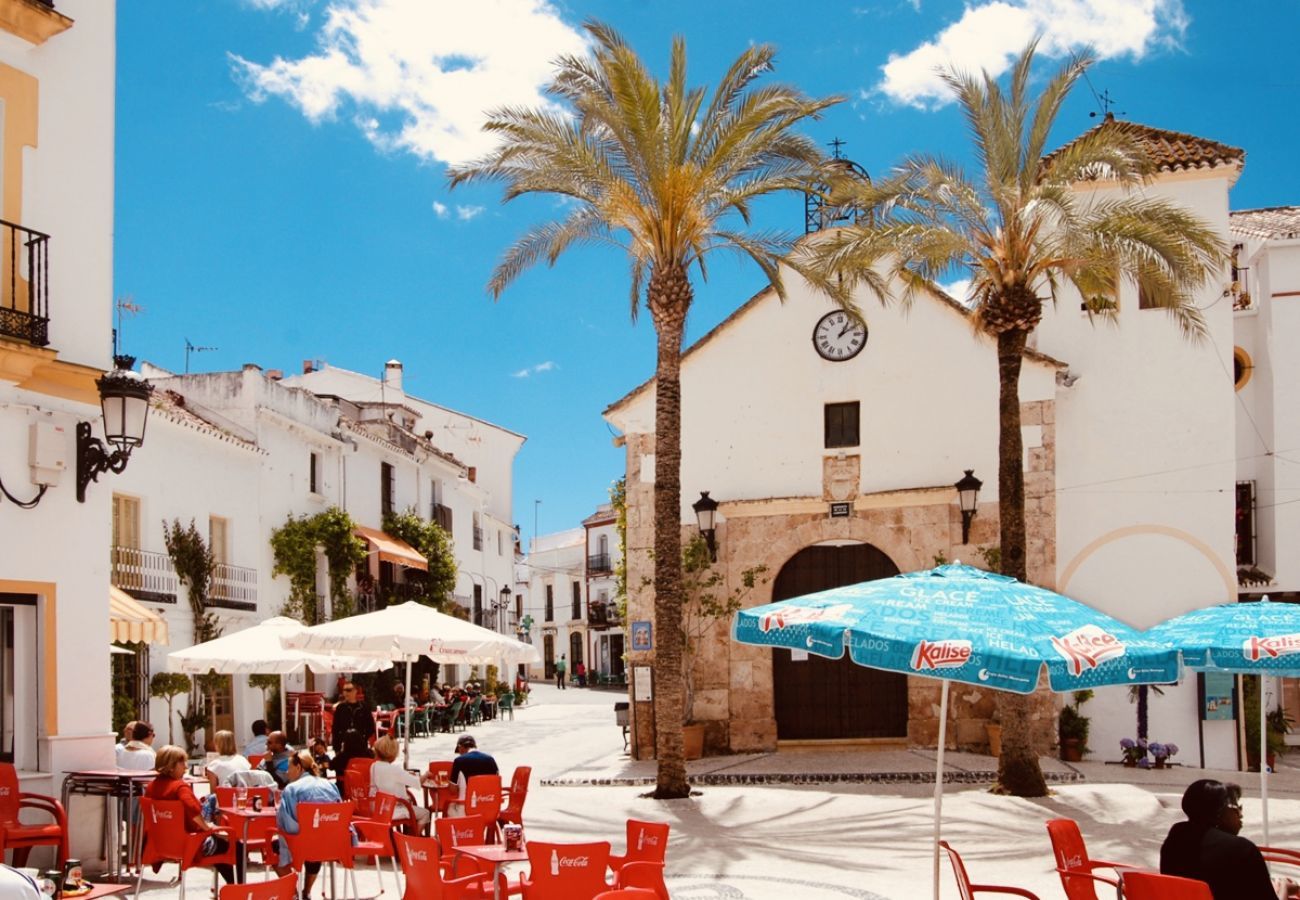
[233, 587]
[602, 615]
[24, 285]
[144, 574]
[599, 564]
[478, 538]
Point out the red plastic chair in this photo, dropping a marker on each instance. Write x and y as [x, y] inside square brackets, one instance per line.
[419, 857]
[1151, 886]
[646, 842]
[324, 837]
[356, 780]
[376, 831]
[285, 888]
[967, 891]
[566, 871]
[21, 837]
[644, 875]
[255, 760]
[1074, 866]
[436, 799]
[483, 798]
[167, 841]
[456, 831]
[513, 813]
[625, 894]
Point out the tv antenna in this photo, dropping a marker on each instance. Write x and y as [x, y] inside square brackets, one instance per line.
[191, 348]
[123, 306]
[1105, 102]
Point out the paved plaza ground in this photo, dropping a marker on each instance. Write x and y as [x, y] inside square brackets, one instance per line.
[852, 838]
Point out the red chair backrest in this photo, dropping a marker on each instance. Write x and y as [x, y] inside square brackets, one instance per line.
[9, 791]
[285, 888]
[959, 870]
[566, 871]
[323, 833]
[357, 778]
[625, 894]
[419, 860]
[646, 841]
[164, 829]
[483, 796]
[255, 760]
[519, 784]
[1071, 853]
[644, 875]
[1150, 886]
[455, 831]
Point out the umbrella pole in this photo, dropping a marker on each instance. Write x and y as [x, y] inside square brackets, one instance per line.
[1263, 756]
[284, 726]
[406, 703]
[938, 781]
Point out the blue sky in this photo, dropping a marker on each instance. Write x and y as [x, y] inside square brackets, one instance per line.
[281, 190]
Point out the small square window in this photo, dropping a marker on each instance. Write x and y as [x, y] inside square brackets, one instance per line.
[842, 424]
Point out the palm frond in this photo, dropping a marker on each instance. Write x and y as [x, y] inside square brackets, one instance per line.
[547, 240]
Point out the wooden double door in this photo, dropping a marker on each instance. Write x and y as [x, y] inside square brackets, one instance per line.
[825, 699]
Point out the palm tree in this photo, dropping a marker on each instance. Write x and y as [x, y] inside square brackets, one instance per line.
[655, 171]
[1023, 231]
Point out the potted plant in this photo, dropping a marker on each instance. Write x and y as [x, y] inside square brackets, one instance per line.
[1072, 728]
[704, 604]
[1135, 752]
[1160, 753]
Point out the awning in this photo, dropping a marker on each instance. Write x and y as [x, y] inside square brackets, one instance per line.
[128, 621]
[392, 550]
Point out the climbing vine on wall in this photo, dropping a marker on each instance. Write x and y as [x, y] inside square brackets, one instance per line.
[294, 545]
[194, 563]
[434, 544]
[618, 499]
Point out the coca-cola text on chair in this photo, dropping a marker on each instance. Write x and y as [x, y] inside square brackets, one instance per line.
[646, 842]
[419, 858]
[967, 891]
[1077, 871]
[566, 871]
[323, 837]
[21, 837]
[1152, 886]
[167, 841]
[483, 798]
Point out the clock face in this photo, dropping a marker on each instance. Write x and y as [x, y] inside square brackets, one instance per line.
[839, 336]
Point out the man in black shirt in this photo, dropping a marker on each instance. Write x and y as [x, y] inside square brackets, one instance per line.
[1207, 848]
[470, 761]
[354, 726]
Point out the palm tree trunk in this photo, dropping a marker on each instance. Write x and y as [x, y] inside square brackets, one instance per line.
[1018, 771]
[669, 298]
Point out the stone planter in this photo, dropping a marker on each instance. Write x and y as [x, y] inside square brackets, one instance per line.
[1072, 750]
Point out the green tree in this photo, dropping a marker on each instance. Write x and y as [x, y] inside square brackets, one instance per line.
[661, 171]
[1022, 231]
[293, 546]
[194, 563]
[167, 686]
[435, 545]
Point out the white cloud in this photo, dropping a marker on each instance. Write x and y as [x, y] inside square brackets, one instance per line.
[440, 209]
[958, 290]
[465, 213]
[547, 366]
[989, 35]
[418, 75]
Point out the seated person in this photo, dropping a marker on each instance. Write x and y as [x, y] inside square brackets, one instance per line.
[1207, 847]
[16, 885]
[220, 770]
[276, 762]
[127, 731]
[470, 761]
[138, 753]
[388, 777]
[320, 752]
[257, 746]
[304, 786]
[171, 785]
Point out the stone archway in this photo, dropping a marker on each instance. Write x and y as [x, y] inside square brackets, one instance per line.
[815, 698]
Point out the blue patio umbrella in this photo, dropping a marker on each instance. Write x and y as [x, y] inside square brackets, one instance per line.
[1261, 638]
[959, 623]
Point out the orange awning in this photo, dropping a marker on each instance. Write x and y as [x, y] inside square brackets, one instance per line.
[128, 621]
[392, 550]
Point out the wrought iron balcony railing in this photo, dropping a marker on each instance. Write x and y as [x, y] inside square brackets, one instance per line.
[24, 284]
[598, 563]
[144, 574]
[602, 615]
[233, 587]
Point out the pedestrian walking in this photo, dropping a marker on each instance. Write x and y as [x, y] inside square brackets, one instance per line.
[560, 668]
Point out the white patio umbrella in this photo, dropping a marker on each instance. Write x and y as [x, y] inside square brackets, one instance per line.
[404, 633]
[259, 650]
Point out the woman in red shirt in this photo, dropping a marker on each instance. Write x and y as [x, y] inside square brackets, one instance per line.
[170, 764]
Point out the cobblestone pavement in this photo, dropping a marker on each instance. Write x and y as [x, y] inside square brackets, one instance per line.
[861, 829]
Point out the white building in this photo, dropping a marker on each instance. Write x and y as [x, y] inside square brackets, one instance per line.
[56, 202]
[556, 565]
[605, 628]
[1131, 439]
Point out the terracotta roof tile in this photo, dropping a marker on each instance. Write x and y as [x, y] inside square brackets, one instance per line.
[1173, 151]
[1272, 223]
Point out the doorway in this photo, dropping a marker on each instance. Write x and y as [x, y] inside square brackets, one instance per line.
[825, 699]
